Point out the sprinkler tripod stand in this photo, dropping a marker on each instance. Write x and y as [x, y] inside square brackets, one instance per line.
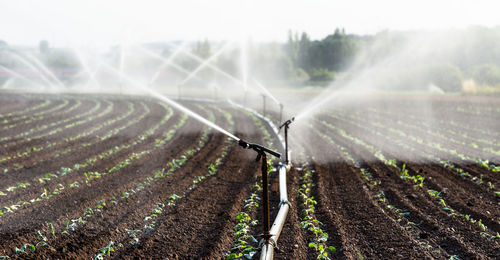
[261, 155]
[286, 125]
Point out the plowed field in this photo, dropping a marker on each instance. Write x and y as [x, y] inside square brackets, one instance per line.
[97, 176]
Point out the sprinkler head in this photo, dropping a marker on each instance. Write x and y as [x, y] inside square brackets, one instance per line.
[258, 148]
[287, 123]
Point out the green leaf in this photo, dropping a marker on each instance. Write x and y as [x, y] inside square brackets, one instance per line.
[332, 249]
[32, 247]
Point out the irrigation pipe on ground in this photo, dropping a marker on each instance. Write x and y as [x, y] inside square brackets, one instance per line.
[267, 252]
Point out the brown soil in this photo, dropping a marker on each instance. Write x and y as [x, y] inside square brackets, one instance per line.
[200, 224]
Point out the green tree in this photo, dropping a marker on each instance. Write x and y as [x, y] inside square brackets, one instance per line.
[43, 46]
[304, 47]
[321, 75]
[446, 76]
[487, 74]
[202, 49]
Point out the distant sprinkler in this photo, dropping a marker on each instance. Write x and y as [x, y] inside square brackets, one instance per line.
[262, 156]
[286, 125]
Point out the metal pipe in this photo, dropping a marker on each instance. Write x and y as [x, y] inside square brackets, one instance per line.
[265, 199]
[286, 145]
[279, 222]
[262, 156]
[258, 148]
[267, 252]
[282, 181]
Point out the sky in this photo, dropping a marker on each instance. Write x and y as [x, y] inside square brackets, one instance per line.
[109, 22]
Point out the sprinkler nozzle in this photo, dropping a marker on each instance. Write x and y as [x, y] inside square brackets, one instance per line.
[287, 123]
[258, 148]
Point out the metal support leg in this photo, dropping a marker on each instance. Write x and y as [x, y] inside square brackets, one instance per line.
[286, 145]
[266, 226]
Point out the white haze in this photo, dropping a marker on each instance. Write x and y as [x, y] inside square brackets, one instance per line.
[132, 69]
[106, 23]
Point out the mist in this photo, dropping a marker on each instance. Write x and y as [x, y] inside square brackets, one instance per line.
[386, 72]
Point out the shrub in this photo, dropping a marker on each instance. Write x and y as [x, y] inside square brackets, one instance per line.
[322, 74]
[487, 74]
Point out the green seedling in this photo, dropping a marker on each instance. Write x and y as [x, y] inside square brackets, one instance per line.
[52, 230]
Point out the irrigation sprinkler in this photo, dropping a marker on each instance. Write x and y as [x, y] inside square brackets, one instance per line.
[286, 125]
[261, 155]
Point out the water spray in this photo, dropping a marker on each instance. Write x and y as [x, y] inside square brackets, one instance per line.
[264, 105]
[205, 63]
[214, 68]
[270, 95]
[173, 103]
[262, 156]
[281, 113]
[17, 75]
[286, 125]
[32, 67]
[261, 150]
[266, 91]
[165, 62]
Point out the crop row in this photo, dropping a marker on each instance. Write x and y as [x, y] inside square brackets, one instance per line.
[212, 169]
[431, 144]
[24, 136]
[429, 156]
[62, 171]
[430, 226]
[25, 111]
[41, 115]
[136, 234]
[67, 227]
[88, 176]
[427, 130]
[69, 140]
[245, 244]
[310, 222]
[417, 180]
[399, 215]
[445, 125]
